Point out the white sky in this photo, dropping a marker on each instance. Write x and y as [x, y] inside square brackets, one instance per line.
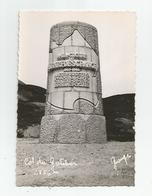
[116, 34]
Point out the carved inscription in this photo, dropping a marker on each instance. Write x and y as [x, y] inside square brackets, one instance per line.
[72, 56]
[72, 79]
[73, 63]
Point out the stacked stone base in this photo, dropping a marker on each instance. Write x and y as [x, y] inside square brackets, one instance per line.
[73, 129]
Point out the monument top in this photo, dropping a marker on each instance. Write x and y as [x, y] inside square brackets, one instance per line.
[61, 31]
[69, 23]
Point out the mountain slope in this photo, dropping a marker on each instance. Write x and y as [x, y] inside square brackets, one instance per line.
[120, 115]
[30, 93]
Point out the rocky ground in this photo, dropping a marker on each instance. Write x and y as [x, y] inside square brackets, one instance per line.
[74, 164]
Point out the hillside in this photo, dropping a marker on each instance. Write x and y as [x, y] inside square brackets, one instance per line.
[118, 109]
[30, 93]
[31, 104]
[120, 115]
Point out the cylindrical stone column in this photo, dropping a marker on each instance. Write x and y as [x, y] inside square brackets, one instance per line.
[74, 110]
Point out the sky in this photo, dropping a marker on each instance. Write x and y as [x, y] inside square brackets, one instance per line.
[116, 36]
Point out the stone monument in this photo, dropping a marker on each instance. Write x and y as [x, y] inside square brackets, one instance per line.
[74, 109]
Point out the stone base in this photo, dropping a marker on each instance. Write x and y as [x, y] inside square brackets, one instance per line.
[73, 129]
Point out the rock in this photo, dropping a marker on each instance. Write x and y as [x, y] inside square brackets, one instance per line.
[32, 131]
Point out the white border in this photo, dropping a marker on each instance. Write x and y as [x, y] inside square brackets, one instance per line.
[8, 89]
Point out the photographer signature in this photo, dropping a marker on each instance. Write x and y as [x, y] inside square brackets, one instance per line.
[116, 162]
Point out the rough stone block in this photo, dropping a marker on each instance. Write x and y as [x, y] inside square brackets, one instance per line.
[49, 130]
[72, 129]
[96, 129]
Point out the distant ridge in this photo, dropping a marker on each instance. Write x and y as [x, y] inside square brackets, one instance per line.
[20, 82]
[32, 93]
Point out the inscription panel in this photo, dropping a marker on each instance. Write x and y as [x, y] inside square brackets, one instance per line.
[72, 79]
[73, 63]
[72, 57]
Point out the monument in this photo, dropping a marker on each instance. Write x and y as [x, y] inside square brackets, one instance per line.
[74, 109]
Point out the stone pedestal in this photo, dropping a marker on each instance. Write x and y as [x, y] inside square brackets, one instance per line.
[73, 128]
[74, 109]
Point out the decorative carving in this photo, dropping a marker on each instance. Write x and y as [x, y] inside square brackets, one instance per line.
[85, 107]
[72, 63]
[71, 129]
[62, 31]
[71, 79]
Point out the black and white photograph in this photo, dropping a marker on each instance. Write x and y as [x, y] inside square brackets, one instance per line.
[76, 99]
